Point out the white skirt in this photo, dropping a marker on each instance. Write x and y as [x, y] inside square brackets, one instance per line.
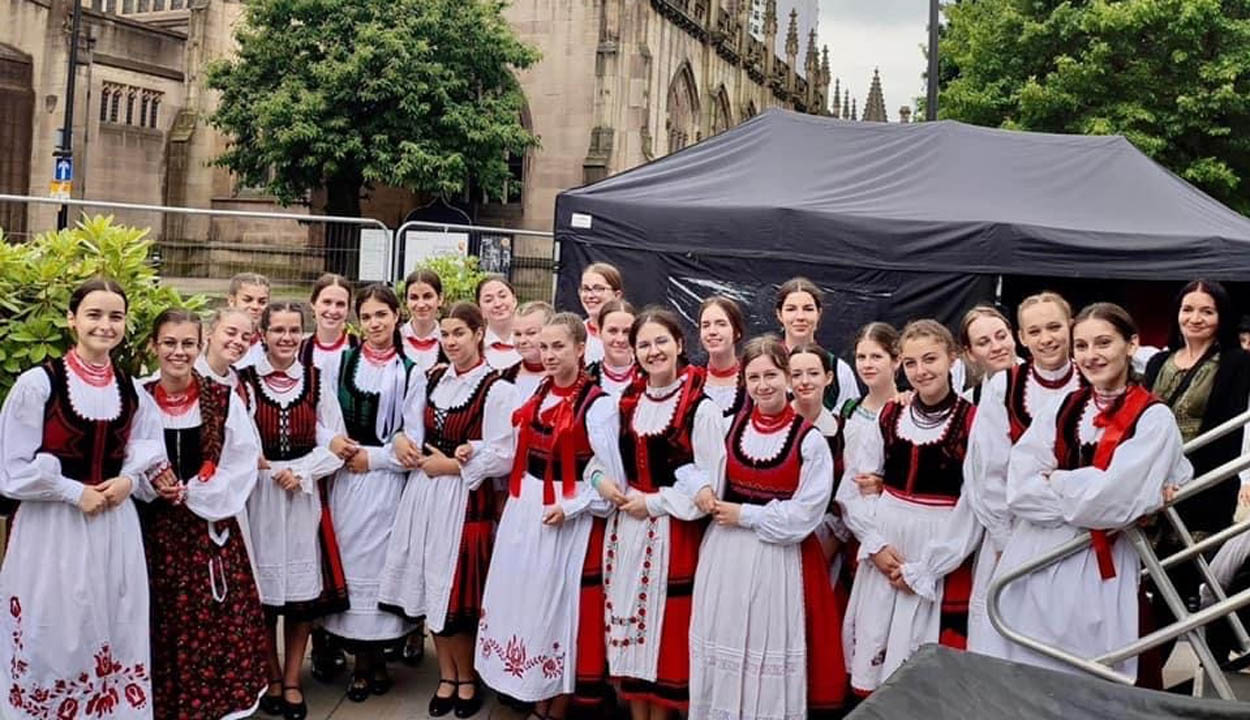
[527, 636]
[75, 608]
[363, 507]
[285, 531]
[979, 627]
[884, 626]
[1067, 604]
[748, 651]
[424, 547]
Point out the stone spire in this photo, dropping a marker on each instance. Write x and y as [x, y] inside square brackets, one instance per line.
[770, 36]
[854, 109]
[826, 77]
[904, 114]
[812, 59]
[837, 98]
[792, 38]
[846, 104]
[874, 106]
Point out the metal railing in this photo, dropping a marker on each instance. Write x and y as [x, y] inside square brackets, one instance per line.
[496, 247]
[1188, 624]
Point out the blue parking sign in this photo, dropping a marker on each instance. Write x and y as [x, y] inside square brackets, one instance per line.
[64, 169]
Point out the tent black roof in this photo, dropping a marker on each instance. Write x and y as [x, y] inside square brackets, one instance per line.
[938, 683]
[939, 196]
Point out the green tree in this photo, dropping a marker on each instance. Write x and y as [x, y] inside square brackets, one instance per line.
[343, 94]
[1172, 76]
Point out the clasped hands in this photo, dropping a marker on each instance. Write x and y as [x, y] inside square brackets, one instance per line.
[110, 493]
[433, 462]
[635, 504]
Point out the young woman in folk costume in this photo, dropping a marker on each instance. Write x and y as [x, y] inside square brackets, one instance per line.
[331, 303]
[673, 447]
[423, 294]
[198, 566]
[1105, 455]
[381, 393]
[798, 308]
[441, 542]
[541, 635]
[298, 567]
[811, 371]
[764, 634]
[600, 283]
[987, 347]
[497, 298]
[230, 333]
[249, 292]
[76, 438]
[1008, 405]
[721, 327]
[912, 583]
[526, 329]
[617, 370]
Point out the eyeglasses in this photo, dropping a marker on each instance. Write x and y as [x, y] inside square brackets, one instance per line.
[595, 289]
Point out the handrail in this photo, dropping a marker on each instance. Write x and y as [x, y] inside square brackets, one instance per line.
[1217, 432]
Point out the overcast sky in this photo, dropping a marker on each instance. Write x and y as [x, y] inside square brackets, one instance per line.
[885, 34]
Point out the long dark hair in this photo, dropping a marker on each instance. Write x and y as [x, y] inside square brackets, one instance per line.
[664, 318]
[99, 283]
[385, 295]
[1226, 329]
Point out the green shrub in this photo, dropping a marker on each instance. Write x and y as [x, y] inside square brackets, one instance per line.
[459, 273]
[37, 278]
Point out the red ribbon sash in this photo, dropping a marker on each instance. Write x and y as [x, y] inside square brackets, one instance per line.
[1115, 425]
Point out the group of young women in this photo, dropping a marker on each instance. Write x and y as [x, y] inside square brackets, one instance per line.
[572, 508]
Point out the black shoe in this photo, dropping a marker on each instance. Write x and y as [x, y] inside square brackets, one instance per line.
[393, 653]
[358, 689]
[414, 650]
[468, 707]
[381, 683]
[273, 705]
[294, 711]
[440, 706]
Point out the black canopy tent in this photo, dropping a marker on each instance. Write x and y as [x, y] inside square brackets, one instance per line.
[894, 221]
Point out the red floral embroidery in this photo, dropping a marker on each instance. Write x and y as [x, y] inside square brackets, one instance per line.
[621, 623]
[516, 658]
[66, 697]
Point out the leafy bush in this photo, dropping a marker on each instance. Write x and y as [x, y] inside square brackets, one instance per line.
[37, 278]
[459, 273]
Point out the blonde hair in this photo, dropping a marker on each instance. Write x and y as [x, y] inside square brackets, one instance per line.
[928, 328]
[975, 314]
[225, 311]
[536, 306]
[571, 323]
[769, 346]
[1046, 296]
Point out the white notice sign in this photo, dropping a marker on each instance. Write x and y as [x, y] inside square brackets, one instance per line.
[421, 245]
[375, 255]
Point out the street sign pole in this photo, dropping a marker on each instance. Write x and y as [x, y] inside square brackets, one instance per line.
[65, 153]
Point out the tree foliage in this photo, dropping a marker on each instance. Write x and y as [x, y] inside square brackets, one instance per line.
[37, 277]
[1172, 76]
[459, 275]
[418, 94]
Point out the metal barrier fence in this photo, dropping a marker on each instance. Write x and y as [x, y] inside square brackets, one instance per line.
[1187, 623]
[202, 247]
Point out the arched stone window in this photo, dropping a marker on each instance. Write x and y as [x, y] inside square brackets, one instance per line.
[683, 109]
[722, 115]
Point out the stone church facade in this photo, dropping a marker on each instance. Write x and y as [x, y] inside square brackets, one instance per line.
[620, 82]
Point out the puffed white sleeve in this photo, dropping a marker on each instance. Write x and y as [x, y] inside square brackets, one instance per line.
[864, 454]
[145, 450]
[26, 473]
[1031, 462]
[320, 462]
[786, 522]
[1132, 485]
[492, 455]
[957, 538]
[708, 469]
[603, 430]
[225, 494]
[985, 464]
[848, 385]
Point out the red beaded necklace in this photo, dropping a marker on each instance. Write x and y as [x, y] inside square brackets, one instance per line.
[422, 344]
[279, 381]
[176, 404]
[728, 372]
[768, 424]
[333, 346]
[615, 376]
[90, 373]
[1052, 384]
[532, 367]
[377, 357]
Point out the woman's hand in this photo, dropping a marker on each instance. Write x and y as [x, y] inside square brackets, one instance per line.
[464, 453]
[726, 513]
[554, 516]
[436, 463]
[358, 462]
[286, 480]
[705, 500]
[92, 501]
[406, 451]
[869, 483]
[636, 506]
[888, 561]
[610, 492]
[263, 464]
[115, 490]
[344, 447]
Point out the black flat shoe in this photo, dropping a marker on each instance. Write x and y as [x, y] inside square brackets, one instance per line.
[328, 664]
[468, 707]
[273, 705]
[358, 689]
[381, 683]
[414, 650]
[294, 711]
[440, 706]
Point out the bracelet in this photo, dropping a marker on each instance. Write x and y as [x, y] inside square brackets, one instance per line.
[596, 477]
